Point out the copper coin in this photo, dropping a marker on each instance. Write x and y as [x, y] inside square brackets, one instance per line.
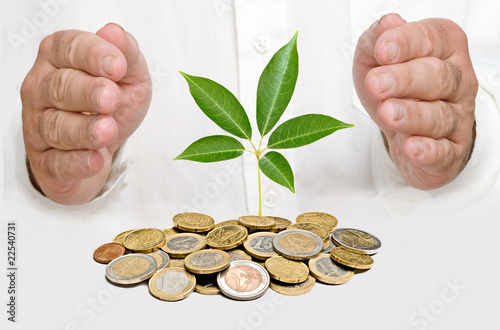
[107, 252]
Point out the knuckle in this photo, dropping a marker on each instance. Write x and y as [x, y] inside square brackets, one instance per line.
[57, 85]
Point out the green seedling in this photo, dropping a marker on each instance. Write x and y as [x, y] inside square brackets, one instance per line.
[274, 91]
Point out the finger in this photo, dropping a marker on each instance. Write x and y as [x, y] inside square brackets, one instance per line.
[436, 119]
[439, 38]
[84, 51]
[427, 78]
[74, 90]
[127, 44]
[435, 157]
[69, 131]
[70, 165]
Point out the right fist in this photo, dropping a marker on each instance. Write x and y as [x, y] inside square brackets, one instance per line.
[85, 95]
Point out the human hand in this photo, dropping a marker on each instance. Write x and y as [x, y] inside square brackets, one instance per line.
[85, 95]
[417, 83]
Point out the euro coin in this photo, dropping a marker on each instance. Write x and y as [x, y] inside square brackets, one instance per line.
[207, 261]
[180, 245]
[227, 237]
[294, 289]
[297, 244]
[328, 246]
[171, 231]
[172, 284]
[162, 259]
[256, 222]
[324, 219]
[356, 240]
[260, 245]
[119, 238]
[225, 223]
[286, 270]
[313, 228]
[107, 252]
[324, 269]
[243, 280]
[176, 262]
[131, 268]
[351, 259]
[193, 222]
[144, 240]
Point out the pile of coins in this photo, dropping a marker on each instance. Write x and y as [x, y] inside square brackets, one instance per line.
[238, 258]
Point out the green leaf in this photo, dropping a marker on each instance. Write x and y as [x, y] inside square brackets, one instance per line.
[220, 105]
[276, 85]
[303, 130]
[275, 166]
[212, 149]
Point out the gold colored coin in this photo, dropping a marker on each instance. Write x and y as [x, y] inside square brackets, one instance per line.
[172, 284]
[260, 245]
[294, 289]
[180, 245]
[144, 240]
[193, 222]
[119, 238]
[324, 219]
[319, 230]
[225, 223]
[256, 222]
[207, 284]
[328, 271]
[286, 270]
[207, 261]
[227, 237]
[176, 263]
[162, 259]
[351, 259]
[238, 254]
[280, 224]
[171, 231]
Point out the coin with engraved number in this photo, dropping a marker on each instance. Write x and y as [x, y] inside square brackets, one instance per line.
[313, 228]
[119, 238]
[227, 237]
[162, 259]
[324, 219]
[243, 280]
[280, 224]
[356, 240]
[260, 245]
[107, 252]
[207, 284]
[238, 254]
[297, 244]
[180, 245]
[172, 284]
[328, 271]
[286, 270]
[294, 289]
[131, 268]
[144, 240]
[351, 259]
[193, 222]
[256, 222]
[207, 261]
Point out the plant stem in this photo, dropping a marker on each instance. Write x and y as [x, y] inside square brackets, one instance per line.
[260, 190]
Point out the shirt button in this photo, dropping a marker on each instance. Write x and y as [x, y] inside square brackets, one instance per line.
[262, 44]
[271, 199]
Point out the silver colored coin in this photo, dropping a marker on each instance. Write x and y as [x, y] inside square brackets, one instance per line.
[356, 240]
[180, 245]
[162, 259]
[298, 244]
[243, 280]
[238, 254]
[131, 268]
